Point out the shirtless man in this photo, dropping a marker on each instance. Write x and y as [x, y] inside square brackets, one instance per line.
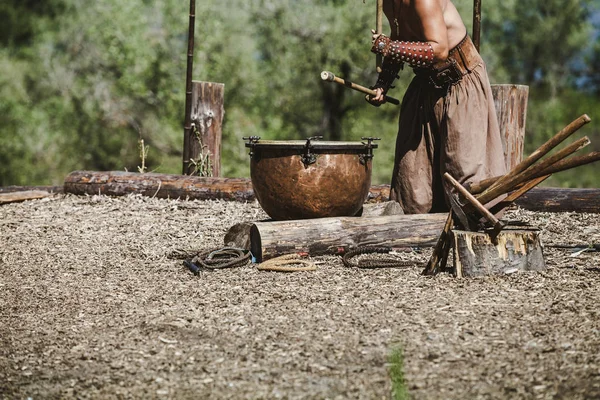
[448, 120]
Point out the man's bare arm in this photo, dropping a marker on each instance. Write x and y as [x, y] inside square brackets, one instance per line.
[434, 30]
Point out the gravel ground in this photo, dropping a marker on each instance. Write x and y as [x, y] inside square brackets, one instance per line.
[94, 304]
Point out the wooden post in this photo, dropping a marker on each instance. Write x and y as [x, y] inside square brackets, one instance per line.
[203, 153]
[511, 110]
[187, 123]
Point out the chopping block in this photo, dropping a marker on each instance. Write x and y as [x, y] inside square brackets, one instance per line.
[476, 254]
[494, 252]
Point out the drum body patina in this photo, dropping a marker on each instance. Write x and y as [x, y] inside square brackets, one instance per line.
[310, 179]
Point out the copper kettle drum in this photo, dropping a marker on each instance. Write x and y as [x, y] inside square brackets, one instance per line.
[310, 179]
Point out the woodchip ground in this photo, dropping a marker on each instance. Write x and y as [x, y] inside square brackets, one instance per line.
[94, 303]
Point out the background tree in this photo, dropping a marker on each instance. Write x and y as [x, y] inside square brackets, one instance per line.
[81, 84]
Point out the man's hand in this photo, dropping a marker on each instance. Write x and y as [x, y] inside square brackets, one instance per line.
[378, 99]
[374, 36]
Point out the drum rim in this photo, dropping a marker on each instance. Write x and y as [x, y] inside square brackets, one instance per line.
[316, 145]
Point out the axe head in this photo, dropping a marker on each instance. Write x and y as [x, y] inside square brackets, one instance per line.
[460, 207]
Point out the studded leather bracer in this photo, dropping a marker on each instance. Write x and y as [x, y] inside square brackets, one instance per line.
[389, 72]
[415, 54]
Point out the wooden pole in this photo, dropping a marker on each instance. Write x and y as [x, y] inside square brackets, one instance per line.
[477, 23]
[379, 30]
[187, 125]
[204, 143]
[541, 151]
[510, 184]
[559, 166]
[330, 77]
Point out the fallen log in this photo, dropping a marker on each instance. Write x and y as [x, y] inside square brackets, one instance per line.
[549, 199]
[330, 236]
[117, 183]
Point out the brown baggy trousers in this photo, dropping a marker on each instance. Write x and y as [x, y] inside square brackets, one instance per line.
[452, 129]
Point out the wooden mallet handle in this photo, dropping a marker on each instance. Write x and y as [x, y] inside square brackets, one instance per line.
[330, 77]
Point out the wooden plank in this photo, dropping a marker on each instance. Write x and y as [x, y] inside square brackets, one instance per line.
[321, 236]
[515, 250]
[13, 197]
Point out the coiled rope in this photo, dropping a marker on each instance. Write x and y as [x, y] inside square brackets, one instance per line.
[374, 262]
[284, 264]
[227, 257]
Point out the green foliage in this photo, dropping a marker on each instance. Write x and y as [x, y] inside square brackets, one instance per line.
[396, 372]
[82, 84]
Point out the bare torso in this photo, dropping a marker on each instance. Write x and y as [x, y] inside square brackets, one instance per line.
[434, 21]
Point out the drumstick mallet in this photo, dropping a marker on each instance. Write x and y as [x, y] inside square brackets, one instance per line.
[330, 77]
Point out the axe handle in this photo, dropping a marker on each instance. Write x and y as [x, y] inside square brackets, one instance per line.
[473, 201]
[330, 77]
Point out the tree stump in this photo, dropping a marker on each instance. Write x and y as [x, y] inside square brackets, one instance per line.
[515, 250]
[511, 110]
